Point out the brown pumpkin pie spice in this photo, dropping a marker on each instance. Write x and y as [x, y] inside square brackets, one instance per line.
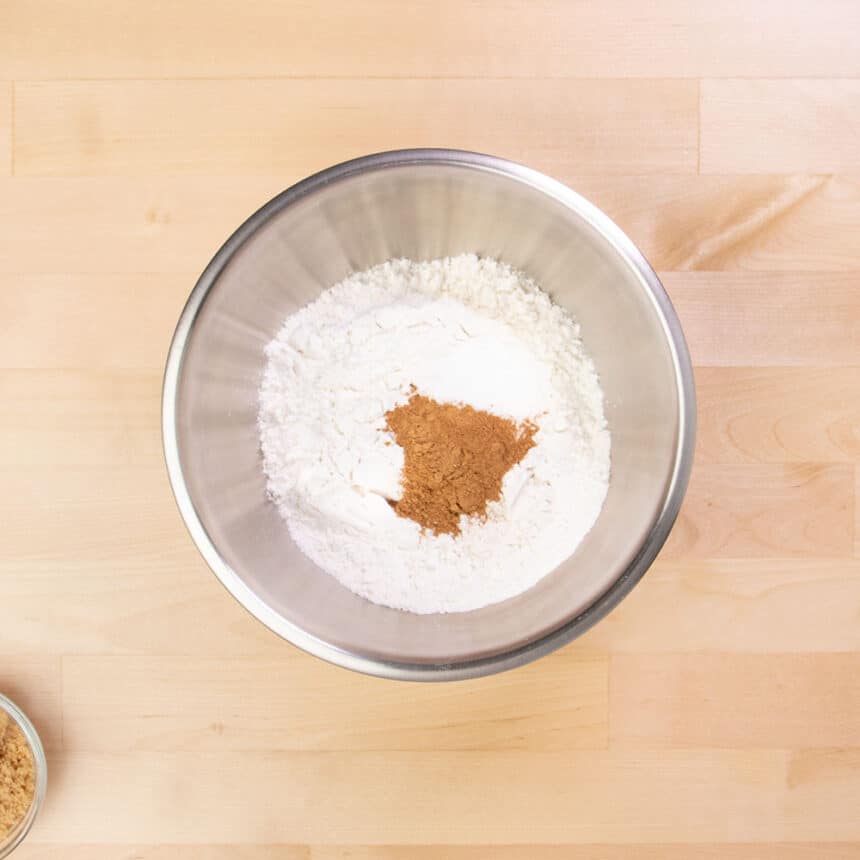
[455, 458]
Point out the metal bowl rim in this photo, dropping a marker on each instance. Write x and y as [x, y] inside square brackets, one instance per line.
[623, 584]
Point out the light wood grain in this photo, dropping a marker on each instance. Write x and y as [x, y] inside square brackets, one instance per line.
[766, 126]
[778, 414]
[737, 606]
[123, 512]
[739, 511]
[758, 851]
[714, 713]
[694, 851]
[428, 39]
[6, 101]
[163, 603]
[83, 319]
[821, 788]
[382, 797]
[34, 683]
[123, 704]
[32, 850]
[729, 701]
[123, 226]
[804, 319]
[105, 127]
[70, 418]
[791, 223]
[156, 224]
[857, 512]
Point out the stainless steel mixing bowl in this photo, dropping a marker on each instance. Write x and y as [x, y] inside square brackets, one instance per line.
[424, 204]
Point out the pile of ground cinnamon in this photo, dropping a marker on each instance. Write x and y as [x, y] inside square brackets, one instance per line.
[455, 458]
[17, 774]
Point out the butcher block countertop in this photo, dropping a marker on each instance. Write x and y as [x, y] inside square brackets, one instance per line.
[716, 713]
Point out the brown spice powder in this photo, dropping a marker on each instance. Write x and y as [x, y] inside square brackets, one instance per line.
[17, 774]
[455, 458]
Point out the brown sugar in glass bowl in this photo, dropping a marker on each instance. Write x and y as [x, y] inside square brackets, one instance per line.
[23, 776]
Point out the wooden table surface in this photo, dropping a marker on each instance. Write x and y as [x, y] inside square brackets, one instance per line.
[716, 713]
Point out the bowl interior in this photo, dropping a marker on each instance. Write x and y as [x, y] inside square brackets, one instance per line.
[418, 210]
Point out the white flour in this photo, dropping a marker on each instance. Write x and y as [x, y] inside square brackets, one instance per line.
[462, 330]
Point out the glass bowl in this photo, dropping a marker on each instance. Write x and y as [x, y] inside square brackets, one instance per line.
[14, 838]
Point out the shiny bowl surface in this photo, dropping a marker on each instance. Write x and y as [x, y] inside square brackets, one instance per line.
[424, 204]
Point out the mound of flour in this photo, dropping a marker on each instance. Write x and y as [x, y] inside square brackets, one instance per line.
[460, 330]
